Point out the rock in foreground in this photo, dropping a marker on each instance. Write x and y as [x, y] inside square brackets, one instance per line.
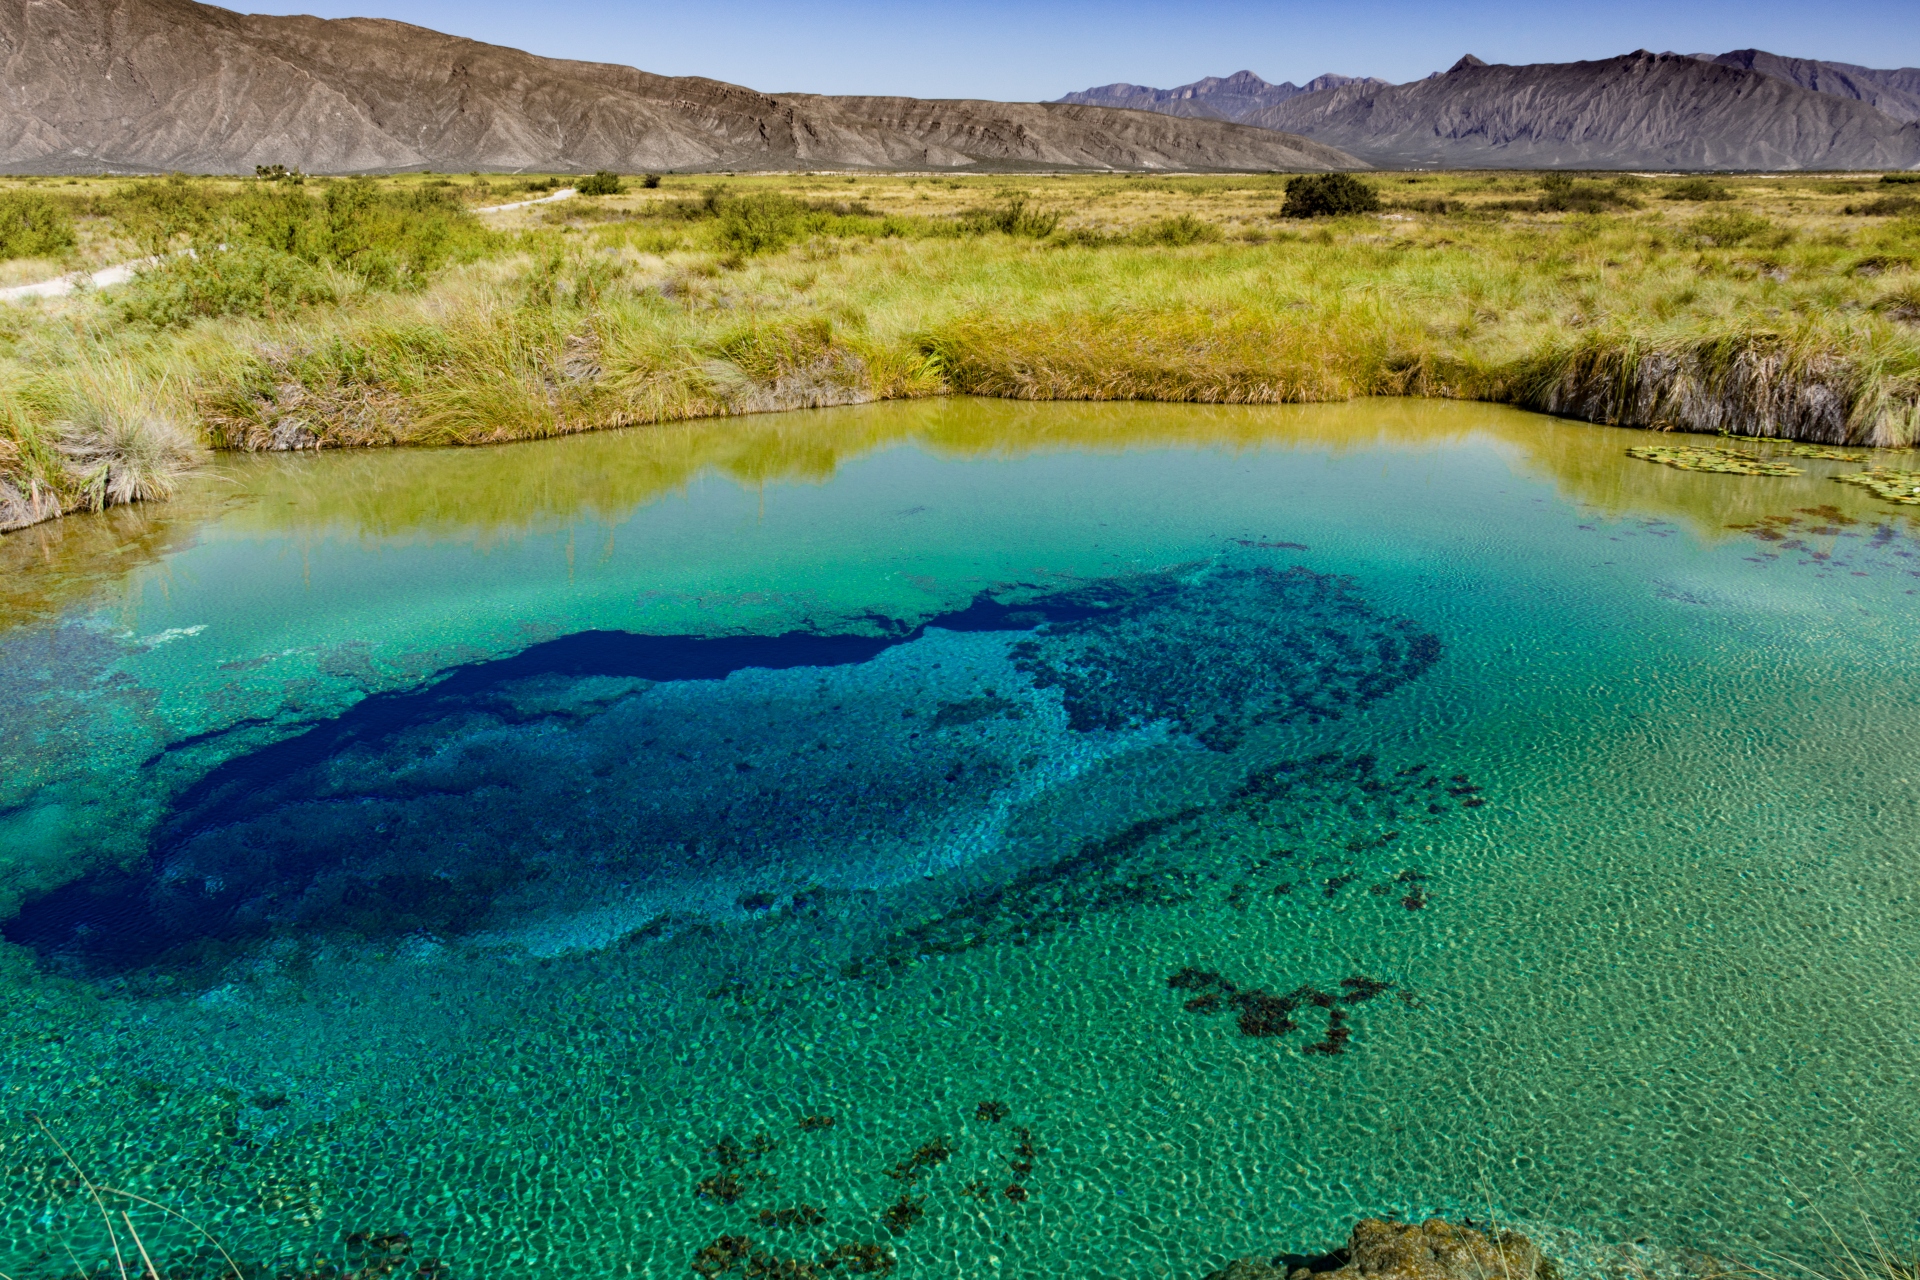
[1431, 1250]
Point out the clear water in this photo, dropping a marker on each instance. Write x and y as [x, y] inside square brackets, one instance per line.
[512, 848]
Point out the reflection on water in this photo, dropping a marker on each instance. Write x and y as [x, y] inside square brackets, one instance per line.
[600, 479]
[961, 838]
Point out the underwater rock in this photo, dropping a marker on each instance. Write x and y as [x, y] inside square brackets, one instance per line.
[1430, 1250]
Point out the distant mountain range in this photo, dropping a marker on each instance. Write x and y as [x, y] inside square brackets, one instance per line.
[1743, 110]
[157, 85]
[1235, 97]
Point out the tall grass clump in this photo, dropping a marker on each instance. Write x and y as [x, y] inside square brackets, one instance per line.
[120, 437]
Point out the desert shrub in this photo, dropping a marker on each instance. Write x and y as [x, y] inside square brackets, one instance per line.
[33, 225]
[1013, 218]
[240, 279]
[1328, 195]
[1177, 232]
[396, 238]
[1724, 230]
[1561, 194]
[601, 182]
[155, 214]
[1900, 177]
[650, 181]
[764, 222]
[1885, 207]
[1697, 189]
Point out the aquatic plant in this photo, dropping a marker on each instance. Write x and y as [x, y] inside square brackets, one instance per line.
[1726, 461]
[1265, 1015]
[1888, 484]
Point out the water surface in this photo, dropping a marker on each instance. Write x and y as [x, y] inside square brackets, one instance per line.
[1153, 834]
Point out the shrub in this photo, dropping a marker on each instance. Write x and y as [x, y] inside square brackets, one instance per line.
[764, 222]
[651, 181]
[601, 182]
[1699, 189]
[33, 225]
[241, 279]
[1561, 194]
[1014, 218]
[1900, 177]
[1177, 232]
[1724, 230]
[1328, 195]
[1885, 206]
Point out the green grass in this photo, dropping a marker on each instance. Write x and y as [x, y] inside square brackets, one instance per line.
[318, 313]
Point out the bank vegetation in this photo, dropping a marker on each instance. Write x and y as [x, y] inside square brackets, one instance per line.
[284, 312]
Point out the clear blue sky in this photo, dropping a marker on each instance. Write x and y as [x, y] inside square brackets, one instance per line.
[1043, 48]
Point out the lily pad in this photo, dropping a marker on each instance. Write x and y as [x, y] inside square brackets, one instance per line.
[1902, 487]
[1725, 461]
[1824, 451]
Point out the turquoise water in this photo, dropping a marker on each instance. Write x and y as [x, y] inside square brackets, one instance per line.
[1152, 834]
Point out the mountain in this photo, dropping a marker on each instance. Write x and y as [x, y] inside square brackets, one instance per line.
[1643, 110]
[1233, 97]
[156, 85]
[1896, 92]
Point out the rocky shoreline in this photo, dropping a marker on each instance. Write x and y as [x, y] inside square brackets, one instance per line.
[1384, 1250]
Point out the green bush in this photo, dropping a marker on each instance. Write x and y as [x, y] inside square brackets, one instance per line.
[651, 181]
[33, 225]
[1698, 189]
[1900, 177]
[601, 182]
[211, 280]
[1328, 195]
[764, 222]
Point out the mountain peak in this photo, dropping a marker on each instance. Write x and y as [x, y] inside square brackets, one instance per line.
[1466, 61]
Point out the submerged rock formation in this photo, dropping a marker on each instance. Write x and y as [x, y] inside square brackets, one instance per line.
[1430, 1250]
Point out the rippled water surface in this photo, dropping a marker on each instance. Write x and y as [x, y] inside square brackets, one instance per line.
[973, 838]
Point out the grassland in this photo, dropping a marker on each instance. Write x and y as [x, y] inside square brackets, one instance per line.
[356, 313]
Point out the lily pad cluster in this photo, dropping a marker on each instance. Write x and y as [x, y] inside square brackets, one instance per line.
[1902, 487]
[1824, 451]
[1731, 462]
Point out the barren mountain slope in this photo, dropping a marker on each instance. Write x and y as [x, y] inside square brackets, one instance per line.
[1234, 97]
[1896, 91]
[1641, 110]
[147, 85]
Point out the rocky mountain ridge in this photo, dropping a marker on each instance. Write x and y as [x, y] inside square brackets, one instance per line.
[1741, 110]
[1233, 97]
[155, 85]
